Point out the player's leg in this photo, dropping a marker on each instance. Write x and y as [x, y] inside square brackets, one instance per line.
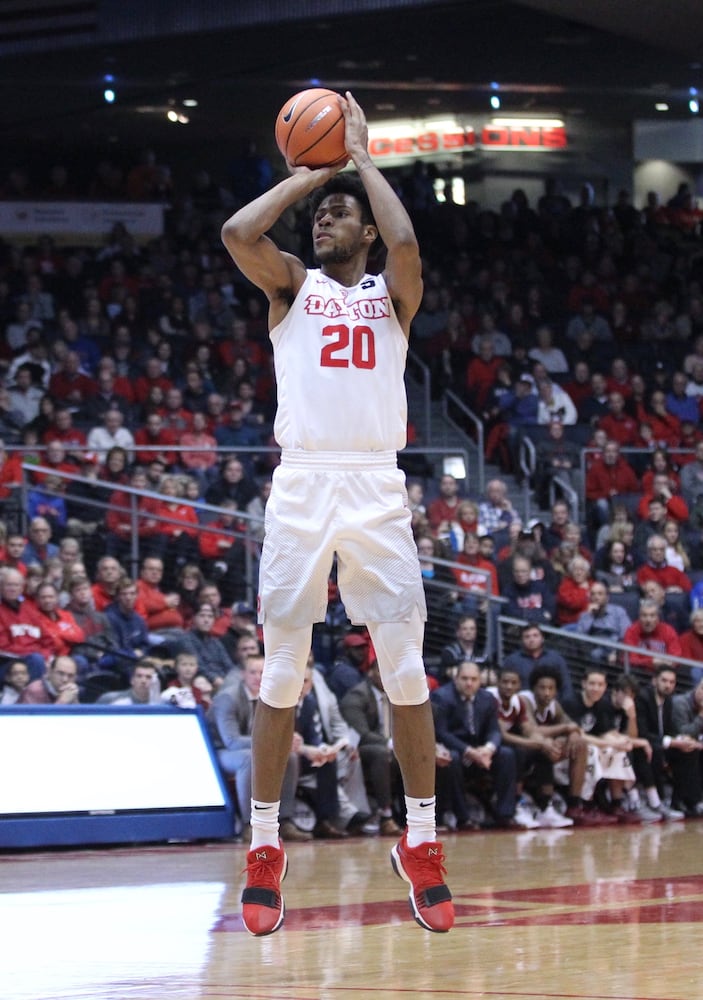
[417, 857]
[287, 651]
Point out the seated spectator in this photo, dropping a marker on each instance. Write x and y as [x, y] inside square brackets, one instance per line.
[10, 480]
[469, 581]
[39, 548]
[466, 521]
[318, 762]
[236, 435]
[128, 512]
[691, 478]
[527, 599]
[214, 662]
[231, 484]
[58, 686]
[481, 372]
[14, 681]
[574, 591]
[110, 434]
[22, 631]
[674, 758]
[151, 375]
[563, 753]
[202, 454]
[512, 413]
[665, 426]
[661, 489]
[144, 687]
[98, 639]
[24, 395]
[128, 627]
[71, 384]
[159, 610]
[189, 582]
[230, 720]
[445, 507]
[687, 712]
[660, 463]
[609, 478]
[692, 642]
[496, 512]
[592, 710]
[176, 533]
[618, 424]
[366, 709]
[677, 553]
[104, 589]
[65, 632]
[464, 647]
[556, 456]
[652, 636]
[45, 502]
[466, 722]
[603, 620]
[354, 656]
[533, 653]
[676, 584]
[153, 440]
[187, 688]
[72, 439]
[554, 403]
[553, 358]
[222, 548]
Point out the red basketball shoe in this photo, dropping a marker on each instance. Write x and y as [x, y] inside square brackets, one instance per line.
[429, 897]
[263, 909]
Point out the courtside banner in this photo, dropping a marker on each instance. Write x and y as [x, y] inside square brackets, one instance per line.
[76, 222]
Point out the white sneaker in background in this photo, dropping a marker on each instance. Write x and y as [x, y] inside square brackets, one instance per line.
[666, 812]
[649, 815]
[524, 817]
[552, 819]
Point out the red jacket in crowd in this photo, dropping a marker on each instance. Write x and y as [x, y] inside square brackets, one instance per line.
[605, 481]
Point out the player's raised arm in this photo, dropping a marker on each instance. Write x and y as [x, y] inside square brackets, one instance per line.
[257, 256]
[403, 269]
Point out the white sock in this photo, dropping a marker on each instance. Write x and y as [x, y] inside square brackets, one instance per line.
[653, 798]
[421, 820]
[264, 824]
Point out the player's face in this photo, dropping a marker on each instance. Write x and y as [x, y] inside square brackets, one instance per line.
[545, 691]
[508, 685]
[337, 229]
[468, 680]
[594, 687]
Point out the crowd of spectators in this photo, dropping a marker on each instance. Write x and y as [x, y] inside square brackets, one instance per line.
[148, 368]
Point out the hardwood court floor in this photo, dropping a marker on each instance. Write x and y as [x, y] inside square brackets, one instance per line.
[576, 915]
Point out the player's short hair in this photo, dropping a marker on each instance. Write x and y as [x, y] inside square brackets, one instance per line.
[343, 184]
[537, 673]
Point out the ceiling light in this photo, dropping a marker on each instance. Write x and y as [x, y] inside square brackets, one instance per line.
[172, 116]
[495, 102]
[109, 95]
[693, 106]
[661, 106]
[190, 102]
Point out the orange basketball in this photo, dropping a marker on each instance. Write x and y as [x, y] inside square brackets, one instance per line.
[310, 129]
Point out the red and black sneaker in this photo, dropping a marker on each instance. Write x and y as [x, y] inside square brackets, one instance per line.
[429, 896]
[263, 909]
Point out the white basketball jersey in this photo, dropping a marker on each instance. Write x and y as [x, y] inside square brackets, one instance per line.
[340, 358]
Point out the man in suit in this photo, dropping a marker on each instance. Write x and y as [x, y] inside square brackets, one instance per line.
[230, 718]
[366, 708]
[466, 722]
[655, 723]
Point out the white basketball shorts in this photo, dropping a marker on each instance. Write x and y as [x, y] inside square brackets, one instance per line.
[351, 504]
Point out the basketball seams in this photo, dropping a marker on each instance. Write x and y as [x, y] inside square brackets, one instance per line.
[293, 132]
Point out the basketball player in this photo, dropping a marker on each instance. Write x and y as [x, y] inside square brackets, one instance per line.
[339, 337]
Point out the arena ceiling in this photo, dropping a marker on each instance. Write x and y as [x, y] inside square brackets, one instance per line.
[612, 59]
